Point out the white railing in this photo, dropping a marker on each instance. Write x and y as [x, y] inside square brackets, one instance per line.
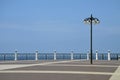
[56, 56]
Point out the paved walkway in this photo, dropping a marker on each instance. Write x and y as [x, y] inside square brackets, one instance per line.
[60, 70]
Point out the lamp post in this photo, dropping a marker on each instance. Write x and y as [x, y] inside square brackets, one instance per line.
[91, 20]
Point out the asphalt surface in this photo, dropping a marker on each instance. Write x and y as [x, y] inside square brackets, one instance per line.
[52, 77]
[71, 70]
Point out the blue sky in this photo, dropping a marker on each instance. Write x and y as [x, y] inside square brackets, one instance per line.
[48, 25]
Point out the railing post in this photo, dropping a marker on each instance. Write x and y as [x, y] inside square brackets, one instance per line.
[54, 55]
[109, 55]
[71, 55]
[88, 55]
[36, 55]
[15, 55]
[96, 55]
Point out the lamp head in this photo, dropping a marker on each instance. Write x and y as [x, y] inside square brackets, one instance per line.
[94, 20]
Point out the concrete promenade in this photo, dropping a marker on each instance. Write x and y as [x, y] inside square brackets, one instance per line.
[60, 70]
